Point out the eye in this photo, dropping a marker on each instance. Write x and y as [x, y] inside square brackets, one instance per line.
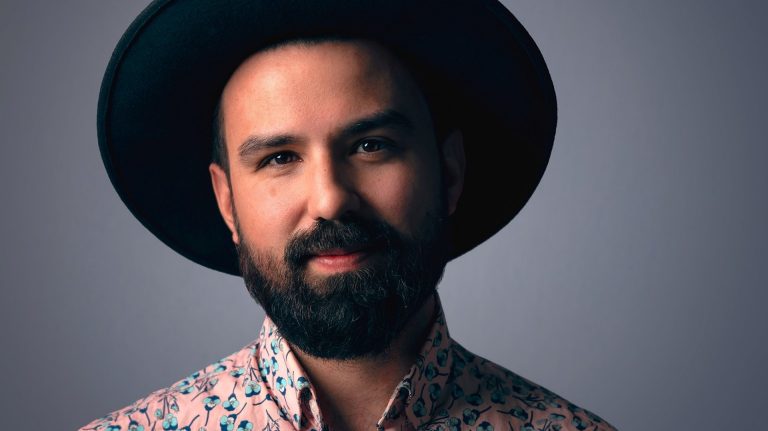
[279, 159]
[372, 145]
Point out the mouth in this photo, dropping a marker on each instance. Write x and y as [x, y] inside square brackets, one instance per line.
[343, 259]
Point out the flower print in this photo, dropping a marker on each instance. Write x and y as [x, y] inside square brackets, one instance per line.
[280, 384]
[475, 372]
[252, 387]
[170, 422]
[574, 408]
[434, 391]
[185, 386]
[420, 363]
[554, 403]
[438, 339]
[469, 356]
[457, 392]
[470, 416]
[454, 424]
[458, 362]
[578, 423]
[284, 413]
[211, 402]
[498, 397]
[492, 381]
[219, 368]
[517, 412]
[264, 367]
[227, 423]
[431, 371]
[485, 426]
[231, 403]
[302, 383]
[186, 389]
[131, 410]
[419, 409]
[442, 357]
[258, 384]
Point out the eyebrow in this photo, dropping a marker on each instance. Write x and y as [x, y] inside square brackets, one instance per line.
[388, 118]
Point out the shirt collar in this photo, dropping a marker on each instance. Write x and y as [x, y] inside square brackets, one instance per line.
[419, 393]
[414, 398]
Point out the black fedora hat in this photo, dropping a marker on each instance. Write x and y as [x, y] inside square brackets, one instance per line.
[476, 64]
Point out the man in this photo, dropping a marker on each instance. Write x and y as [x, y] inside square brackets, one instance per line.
[340, 155]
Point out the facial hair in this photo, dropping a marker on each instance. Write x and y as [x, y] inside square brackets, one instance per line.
[351, 314]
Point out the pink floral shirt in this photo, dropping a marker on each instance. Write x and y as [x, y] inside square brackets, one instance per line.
[263, 387]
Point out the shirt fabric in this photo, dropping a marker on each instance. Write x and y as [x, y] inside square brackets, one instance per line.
[263, 387]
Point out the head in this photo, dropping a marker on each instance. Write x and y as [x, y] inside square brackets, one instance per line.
[336, 191]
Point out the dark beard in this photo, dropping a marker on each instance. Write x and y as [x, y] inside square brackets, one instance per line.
[351, 314]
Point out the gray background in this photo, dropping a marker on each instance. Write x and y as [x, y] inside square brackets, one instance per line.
[633, 283]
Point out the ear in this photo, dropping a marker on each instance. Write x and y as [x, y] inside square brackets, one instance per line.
[223, 192]
[454, 165]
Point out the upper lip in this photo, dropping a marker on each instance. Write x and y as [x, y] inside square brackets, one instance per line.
[339, 251]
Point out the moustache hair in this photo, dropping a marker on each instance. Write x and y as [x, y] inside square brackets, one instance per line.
[348, 231]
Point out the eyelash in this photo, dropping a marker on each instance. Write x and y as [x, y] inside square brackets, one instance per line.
[384, 144]
[268, 160]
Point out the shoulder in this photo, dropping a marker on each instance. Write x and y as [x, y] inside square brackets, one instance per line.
[185, 404]
[492, 396]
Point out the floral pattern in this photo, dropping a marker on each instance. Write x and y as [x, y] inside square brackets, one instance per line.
[263, 387]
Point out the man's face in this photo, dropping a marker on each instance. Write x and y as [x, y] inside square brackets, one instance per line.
[337, 194]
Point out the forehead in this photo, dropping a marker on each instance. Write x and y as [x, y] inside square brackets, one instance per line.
[326, 80]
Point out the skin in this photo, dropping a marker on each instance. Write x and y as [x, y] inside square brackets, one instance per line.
[302, 99]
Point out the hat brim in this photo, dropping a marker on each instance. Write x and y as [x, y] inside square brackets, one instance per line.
[165, 77]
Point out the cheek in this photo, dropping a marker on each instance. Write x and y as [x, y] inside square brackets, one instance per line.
[404, 197]
[266, 215]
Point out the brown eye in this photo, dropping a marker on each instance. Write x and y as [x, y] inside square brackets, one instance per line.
[279, 159]
[371, 146]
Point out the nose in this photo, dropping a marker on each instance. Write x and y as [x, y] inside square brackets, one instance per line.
[332, 192]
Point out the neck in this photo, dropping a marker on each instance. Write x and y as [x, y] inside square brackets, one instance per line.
[345, 409]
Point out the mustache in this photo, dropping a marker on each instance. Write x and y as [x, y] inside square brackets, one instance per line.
[347, 232]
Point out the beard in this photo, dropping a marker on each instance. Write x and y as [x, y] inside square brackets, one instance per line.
[351, 314]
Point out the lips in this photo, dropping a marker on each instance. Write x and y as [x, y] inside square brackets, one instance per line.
[342, 259]
[340, 251]
[350, 249]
